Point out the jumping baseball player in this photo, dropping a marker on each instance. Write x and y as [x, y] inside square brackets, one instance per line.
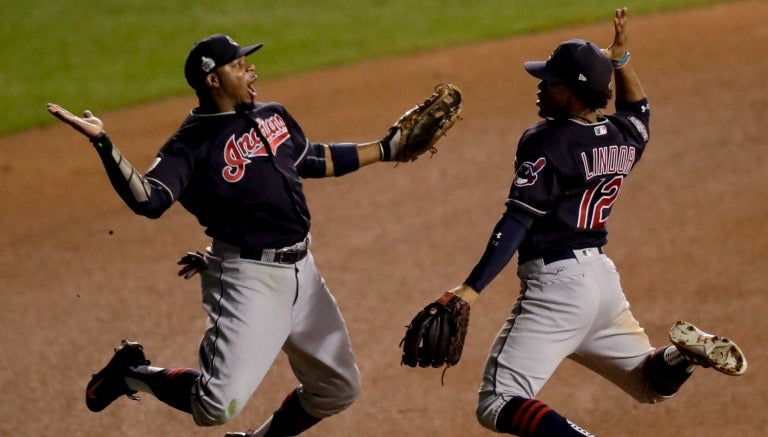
[237, 165]
[569, 171]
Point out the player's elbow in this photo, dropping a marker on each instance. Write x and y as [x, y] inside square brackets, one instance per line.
[147, 212]
[153, 208]
[152, 214]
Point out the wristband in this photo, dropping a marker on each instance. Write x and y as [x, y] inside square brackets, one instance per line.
[465, 293]
[385, 151]
[101, 140]
[345, 158]
[621, 62]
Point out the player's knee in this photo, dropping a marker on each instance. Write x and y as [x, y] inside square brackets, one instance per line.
[488, 406]
[353, 391]
[213, 414]
[348, 393]
[214, 418]
[333, 398]
[344, 398]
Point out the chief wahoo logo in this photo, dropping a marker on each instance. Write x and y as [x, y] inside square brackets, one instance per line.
[529, 172]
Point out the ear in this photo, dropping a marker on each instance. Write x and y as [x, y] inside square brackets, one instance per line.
[571, 96]
[212, 80]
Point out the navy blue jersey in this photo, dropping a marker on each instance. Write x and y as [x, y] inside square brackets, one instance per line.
[569, 174]
[218, 168]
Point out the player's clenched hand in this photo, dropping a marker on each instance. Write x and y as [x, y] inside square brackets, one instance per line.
[618, 48]
[87, 125]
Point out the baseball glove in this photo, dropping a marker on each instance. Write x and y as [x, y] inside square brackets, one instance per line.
[419, 128]
[436, 334]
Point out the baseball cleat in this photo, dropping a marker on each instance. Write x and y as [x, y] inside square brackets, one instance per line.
[708, 350]
[248, 433]
[109, 384]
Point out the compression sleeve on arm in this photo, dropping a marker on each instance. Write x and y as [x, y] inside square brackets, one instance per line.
[139, 194]
[502, 245]
[312, 163]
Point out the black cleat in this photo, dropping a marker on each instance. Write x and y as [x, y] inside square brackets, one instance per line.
[109, 384]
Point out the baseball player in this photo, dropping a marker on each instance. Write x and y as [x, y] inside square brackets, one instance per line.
[237, 165]
[569, 171]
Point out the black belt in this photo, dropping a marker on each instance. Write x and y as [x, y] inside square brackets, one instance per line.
[280, 256]
[562, 255]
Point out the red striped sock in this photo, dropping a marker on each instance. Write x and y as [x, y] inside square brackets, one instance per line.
[533, 418]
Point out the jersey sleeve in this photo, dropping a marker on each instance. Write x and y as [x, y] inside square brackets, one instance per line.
[172, 168]
[535, 186]
[142, 195]
[312, 163]
[634, 118]
[308, 157]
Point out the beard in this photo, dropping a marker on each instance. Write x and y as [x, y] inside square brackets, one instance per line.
[553, 113]
[245, 106]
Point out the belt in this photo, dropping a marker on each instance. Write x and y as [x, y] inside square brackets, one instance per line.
[566, 254]
[280, 256]
[286, 255]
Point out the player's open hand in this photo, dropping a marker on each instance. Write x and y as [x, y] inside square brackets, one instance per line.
[87, 125]
[192, 263]
[618, 48]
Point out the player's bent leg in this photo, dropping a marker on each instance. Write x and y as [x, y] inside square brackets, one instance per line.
[319, 349]
[521, 416]
[248, 323]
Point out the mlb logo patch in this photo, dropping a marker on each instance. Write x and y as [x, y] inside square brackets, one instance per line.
[600, 130]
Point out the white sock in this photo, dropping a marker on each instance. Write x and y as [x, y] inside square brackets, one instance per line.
[137, 385]
[673, 357]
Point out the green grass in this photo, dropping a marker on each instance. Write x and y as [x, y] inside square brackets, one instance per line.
[105, 54]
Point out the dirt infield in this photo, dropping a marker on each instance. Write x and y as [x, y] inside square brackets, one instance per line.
[689, 236]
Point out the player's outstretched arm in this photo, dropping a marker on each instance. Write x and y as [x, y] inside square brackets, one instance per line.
[142, 197]
[88, 125]
[345, 159]
[414, 133]
[628, 87]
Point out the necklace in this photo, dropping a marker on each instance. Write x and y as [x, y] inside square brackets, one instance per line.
[598, 114]
[584, 119]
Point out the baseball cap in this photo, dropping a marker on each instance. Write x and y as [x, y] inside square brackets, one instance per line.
[212, 52]
[575, 61]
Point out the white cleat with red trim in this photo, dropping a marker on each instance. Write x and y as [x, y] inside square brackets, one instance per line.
[708, 350]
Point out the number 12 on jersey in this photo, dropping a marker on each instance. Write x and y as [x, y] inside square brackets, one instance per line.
[597, 201]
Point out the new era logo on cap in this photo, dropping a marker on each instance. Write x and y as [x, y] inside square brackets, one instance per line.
[575, 61]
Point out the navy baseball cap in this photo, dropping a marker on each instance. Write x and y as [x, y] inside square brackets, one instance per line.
[575, 61]
[210, 53]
